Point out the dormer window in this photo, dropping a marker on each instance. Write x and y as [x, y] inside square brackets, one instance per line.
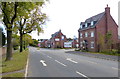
[86, 25]
[81, 26]
[92, 23]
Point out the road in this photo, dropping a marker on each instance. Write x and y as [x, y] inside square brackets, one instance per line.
[57, 63]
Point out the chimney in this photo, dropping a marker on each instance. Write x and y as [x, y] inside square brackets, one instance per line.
[107, 13]
[107, 10]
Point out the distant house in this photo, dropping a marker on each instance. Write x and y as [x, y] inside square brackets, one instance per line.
[43, 43]
[58, 39]
[93, 28]
[48, 43]
[75, 43]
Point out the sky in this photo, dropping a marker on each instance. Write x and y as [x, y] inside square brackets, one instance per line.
[67, 15]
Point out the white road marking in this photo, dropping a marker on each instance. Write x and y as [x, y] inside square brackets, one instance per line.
[43, 62]
[92, 62]
[69, 59]
[81, 74]
[115, 68]
[60, 63]
[49, 57]
[26, 70]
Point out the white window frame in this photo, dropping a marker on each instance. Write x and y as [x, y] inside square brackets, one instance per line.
[92, 23]
[57, 39]
[81, 35]
[92, 34]
[81, 26]
[62, 37]
[86, 34]
[86, 25]
[92, 45]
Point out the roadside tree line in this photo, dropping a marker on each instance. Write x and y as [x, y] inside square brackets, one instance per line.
[21, 18]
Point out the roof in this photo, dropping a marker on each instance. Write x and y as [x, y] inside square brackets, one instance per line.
[93, 18]
[56, 33]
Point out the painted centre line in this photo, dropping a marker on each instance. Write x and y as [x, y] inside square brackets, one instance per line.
[43, 62]
[60, 63]
[69, 59]
[49, 57]
[81, 74]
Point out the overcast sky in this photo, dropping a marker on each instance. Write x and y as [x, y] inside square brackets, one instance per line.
[67, 15]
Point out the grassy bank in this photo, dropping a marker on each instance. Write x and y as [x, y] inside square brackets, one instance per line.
[18, 62]
[20, 74]
[113, 52]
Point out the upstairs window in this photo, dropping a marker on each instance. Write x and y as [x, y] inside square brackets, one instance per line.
[92, 34]
[86, 34]
[89, 24]
[81, 35]
[86, 25]
[81, 26]
[62, 37]
[92, 23]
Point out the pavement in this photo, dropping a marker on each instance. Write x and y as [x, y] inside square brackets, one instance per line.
[58, 63]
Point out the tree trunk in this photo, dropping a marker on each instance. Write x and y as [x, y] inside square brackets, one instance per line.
[9, 45]
[21, 43]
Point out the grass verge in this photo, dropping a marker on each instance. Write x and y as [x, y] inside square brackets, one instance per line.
[20, 74]
[113, 52]
[18, 62]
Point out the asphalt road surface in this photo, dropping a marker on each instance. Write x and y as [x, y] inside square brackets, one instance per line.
[57, 63]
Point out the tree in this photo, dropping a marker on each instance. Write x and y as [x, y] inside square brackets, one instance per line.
[101, 42]
[34, 43]
[32, 20]
[109, 40]
[3, 39]
[27, 40]
[9, 12]
[15, 41]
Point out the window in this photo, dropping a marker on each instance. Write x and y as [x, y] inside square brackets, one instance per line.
[62, 37]
[92, 34]
[81, 44]
[86, 34]
[86, 25]
[92, 44]
[57, 39]
[81, 26]
[80, 35]
[92, 23]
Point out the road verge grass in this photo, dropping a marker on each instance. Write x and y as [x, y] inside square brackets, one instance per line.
[17, 63]
[20, 74]
[113, 52]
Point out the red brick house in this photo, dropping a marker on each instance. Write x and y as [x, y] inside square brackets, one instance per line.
[48, 43]
[93, 28]
[43, 43]
[58, 39]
